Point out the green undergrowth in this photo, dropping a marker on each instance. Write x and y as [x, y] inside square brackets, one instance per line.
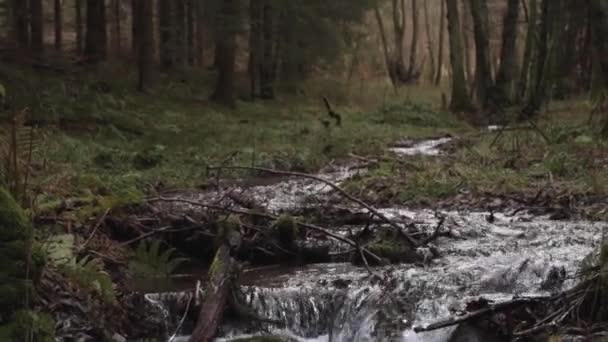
[111, 145]
[571, 158]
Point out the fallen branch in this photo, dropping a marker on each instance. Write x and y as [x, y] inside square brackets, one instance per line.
[223, 274]
[97, 225]
[490, 309]
[268, 217]
[371, 209]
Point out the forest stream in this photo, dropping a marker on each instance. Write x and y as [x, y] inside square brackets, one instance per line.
[494, 256]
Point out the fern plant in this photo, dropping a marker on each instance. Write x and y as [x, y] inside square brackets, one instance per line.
[150, 261]
[88, 273]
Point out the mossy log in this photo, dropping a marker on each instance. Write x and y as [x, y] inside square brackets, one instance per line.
[222, 276]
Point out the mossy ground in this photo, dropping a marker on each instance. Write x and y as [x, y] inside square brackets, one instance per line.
[103, 141]
[573, 161]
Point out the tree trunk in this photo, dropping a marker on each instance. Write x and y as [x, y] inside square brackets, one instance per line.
[223, 275]
[385, 50]
[429, 38]
[95, 49]
[400, 71]
[190, 41]
[181, 48]
[146, 47]
[58, 22]
[483, 68]
[412, 73]
[538, 71]
[37, 27]
[267, 73]
[441, 44]
[200, 33]
[115, 27]
[256, 45]
[529, 49]
[134, 27]
[460, 101]
[599, 22]
[78, 23]
[508, 55]
[166, 34]
[226, 33]
[20, 30]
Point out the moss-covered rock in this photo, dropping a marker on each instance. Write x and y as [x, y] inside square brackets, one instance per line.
[391, 247]
[286, 231]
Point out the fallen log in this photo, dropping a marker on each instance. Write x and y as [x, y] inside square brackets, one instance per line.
[223, 275]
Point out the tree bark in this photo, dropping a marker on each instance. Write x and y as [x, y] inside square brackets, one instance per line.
[223, 274]
[504, 78]
[441, 44]
[78, 23]
[400, 71]
[115, 27]
[412, 73]
[226, 33]
[20, 26]
[460, 101]
[190, 35]
[429, 38]
[200, 33]
[483, 68]
[599, 22]
[181, 43]
[267, 72]
[134, 27]
[58, 22]
[95, 49]
[166, 34]
[256, 45]
[385, 50]
[529, 49]
[37, 27]
[146, 47]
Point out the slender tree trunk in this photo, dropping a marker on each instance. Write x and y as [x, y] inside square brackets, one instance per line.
[508, 54]
[78, 20]
[226, 32]
[465, 15]
[95, 49]
[441, 43]
[20, 25]
[538, 71]
[166, 34]
[58, 22]
[256, 45]
[400, 71]
[412, 73]
[429, 38]
[385, 50]
[200, 33]
[37, 27]
[181, 48]
[267, 74]
[599, 22]
[528, 49]
[115, 27]
[483, 69]
[190, 23]
[134, 27]
[460, 101]
[146, 47]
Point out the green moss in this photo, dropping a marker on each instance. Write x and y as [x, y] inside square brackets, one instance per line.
[39, 326]
[15, 241]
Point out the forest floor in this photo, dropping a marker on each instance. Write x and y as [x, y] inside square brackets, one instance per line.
[99, 146]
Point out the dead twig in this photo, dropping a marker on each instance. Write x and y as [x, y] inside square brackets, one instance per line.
[335, 187]
[268, 217]
[97, 225]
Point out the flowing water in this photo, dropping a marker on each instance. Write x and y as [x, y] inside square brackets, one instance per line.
[494, 256]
